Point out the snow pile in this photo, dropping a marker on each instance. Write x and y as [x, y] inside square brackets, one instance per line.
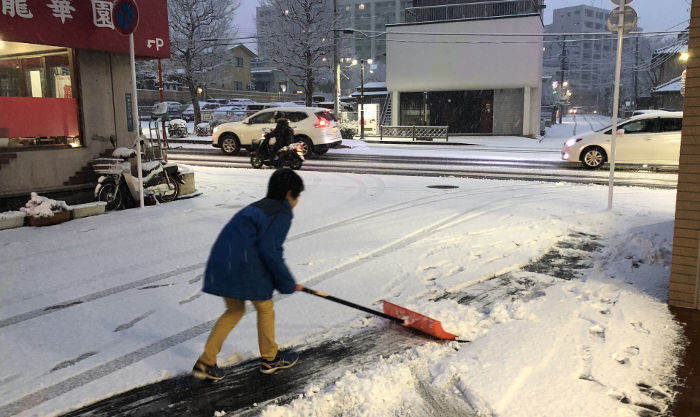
[595, 346]
[389, 387]
[12, 215]
[40, 206]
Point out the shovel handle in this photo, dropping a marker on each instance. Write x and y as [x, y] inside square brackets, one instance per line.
[348, 303]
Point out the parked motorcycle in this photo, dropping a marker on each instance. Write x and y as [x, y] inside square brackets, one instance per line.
[291, 156]
[118, 184]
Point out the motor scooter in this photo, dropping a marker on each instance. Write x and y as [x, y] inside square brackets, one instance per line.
[118, 184]
[291, 156]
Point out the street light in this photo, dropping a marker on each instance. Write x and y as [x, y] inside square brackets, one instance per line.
[282, 89]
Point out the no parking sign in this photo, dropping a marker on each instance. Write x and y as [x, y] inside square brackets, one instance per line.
[125, 16]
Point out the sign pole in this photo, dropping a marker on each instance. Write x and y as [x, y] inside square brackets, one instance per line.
[135, 115]
[616, 101]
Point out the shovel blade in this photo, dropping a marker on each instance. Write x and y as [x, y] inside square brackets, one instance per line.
[417, 321]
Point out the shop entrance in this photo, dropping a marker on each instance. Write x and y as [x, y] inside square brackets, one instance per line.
[468, 111]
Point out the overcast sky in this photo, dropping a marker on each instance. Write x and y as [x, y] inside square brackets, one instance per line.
[654, 15]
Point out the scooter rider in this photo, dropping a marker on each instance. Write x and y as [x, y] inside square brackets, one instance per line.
[283, 134]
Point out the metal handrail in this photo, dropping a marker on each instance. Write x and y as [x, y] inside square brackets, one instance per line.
[415, 132]
[481, 10]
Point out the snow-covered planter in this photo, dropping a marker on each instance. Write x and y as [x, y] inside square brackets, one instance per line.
[42, 211]
[202, 129]
[12, 219]
[88, 209]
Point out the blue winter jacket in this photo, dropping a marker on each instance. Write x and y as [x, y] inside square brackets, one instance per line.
[247, 260]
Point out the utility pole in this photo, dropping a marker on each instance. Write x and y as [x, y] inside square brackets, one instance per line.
[636, 66]
[561, 79]
[336, 61]
[362, 99]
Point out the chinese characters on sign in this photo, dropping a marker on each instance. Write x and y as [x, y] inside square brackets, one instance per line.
[88, 24]
[62, 9]
[16, 7]
[102, 14]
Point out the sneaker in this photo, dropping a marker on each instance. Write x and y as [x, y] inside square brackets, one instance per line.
[203, 371]
[283, 360]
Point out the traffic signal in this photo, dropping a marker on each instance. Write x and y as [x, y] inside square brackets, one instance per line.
[555, 85]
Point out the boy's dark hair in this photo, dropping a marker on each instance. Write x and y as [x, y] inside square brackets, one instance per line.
[283, 180]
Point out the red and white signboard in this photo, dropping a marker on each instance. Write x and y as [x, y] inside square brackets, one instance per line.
[86, 24]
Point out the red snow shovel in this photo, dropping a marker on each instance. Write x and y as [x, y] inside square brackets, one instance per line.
[397, 314]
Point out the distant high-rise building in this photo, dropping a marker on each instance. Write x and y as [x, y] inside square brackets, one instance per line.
[368, 18]
[582, 55]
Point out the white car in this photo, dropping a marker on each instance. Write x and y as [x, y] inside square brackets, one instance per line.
[650, 138]
[317, 128]
[188, 113]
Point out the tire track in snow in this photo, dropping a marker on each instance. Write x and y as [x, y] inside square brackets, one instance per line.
[45, 394]
[388, 210]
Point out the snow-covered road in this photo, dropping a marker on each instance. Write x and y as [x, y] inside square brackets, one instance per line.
[562, 301]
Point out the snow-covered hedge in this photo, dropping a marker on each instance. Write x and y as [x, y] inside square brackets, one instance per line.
[39, 206]
[202, 129]
[348, 129]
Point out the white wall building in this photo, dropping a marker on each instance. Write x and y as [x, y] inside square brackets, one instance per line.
[462, 74]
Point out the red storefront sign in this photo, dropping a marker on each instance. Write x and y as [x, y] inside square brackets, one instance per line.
[85, 24]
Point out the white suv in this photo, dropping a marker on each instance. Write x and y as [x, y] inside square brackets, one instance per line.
[316, 127]
[650, 138]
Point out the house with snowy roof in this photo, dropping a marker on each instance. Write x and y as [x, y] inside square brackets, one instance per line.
[670, 62]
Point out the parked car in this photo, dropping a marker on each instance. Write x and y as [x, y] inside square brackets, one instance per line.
[226, 114]
[188, 114]
[640, 112]
[239, 101]
[317, 128]
[650, 138]
[174, 109]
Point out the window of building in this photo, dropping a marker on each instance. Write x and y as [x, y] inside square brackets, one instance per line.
[239, 61]
[589, 13]
[462, 111]
[238, 85]
[589, 24]
[36, 95]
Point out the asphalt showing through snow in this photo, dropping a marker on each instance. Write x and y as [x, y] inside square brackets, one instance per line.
[245, 391]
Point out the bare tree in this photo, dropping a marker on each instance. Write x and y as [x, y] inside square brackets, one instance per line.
[298, 37]
[197, 28]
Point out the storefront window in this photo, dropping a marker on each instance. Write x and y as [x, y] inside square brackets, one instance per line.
[37, 107]
[462, 111]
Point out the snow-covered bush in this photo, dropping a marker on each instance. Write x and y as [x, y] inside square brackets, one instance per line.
[39, 206]
[177, 128]
[202, 129]
[348, 129]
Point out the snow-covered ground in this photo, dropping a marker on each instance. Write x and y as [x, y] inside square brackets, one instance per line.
[96, 306]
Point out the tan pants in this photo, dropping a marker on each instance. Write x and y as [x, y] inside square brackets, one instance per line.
[231, 317]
